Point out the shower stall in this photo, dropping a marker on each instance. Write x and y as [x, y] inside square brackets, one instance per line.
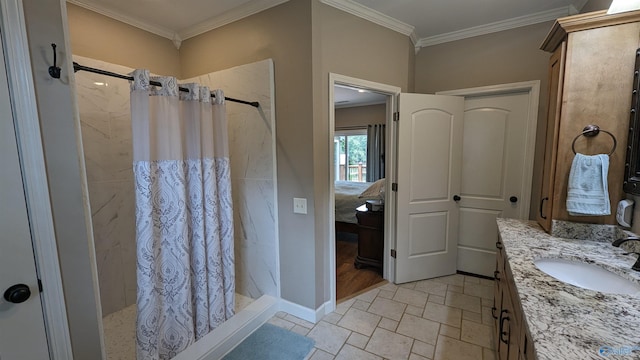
[103, 104]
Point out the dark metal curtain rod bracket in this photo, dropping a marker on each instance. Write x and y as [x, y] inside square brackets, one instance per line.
[54, 71]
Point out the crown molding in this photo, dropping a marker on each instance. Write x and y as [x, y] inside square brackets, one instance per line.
[497, 26]
[177, 37]
[158, 30]
[248, 9]
[374, 16]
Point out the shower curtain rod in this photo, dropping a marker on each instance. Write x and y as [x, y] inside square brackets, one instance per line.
[77, 67]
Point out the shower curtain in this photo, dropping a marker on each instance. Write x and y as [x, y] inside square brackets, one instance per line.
[184, 218]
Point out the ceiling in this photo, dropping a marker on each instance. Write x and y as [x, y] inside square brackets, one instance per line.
[425, 22]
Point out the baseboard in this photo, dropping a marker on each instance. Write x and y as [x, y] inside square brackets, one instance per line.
[223, 339]
[306, 313]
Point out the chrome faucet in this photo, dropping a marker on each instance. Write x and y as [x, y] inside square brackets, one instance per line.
[619, 242]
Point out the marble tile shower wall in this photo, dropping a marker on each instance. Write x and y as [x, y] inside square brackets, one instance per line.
[106, 134]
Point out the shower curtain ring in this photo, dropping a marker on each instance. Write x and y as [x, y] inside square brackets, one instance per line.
[54, 70]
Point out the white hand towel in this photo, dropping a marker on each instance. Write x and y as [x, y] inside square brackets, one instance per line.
[588, 191]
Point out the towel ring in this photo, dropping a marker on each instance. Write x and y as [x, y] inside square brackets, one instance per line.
[591, 131]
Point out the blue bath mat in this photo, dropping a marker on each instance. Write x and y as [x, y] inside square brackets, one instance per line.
[271, 342]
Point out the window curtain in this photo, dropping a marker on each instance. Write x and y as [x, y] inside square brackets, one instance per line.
[184, 215]
[375, 152]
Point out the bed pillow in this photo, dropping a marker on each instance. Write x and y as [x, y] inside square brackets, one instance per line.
[375, 190]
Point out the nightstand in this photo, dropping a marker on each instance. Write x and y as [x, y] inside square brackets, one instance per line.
[370, 238]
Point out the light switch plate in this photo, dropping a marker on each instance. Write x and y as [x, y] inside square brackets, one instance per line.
[299, 206]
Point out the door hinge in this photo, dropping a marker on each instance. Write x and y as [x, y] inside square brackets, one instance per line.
[396, 116]
[39, 285]
[393, 253]
[394, 186]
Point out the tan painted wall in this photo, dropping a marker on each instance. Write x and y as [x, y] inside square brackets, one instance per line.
[361, 116]
[65, 174]
[499, 58]
[595, 5]
[282, 33]
[346, 45]
[99, 37]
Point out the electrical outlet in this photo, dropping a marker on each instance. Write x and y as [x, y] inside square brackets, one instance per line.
[299, 206]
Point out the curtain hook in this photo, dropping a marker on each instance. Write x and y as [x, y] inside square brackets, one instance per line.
[54, 70]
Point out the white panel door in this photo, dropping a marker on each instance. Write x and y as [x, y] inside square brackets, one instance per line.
[22, 332]
[493, 161]
[429, 163]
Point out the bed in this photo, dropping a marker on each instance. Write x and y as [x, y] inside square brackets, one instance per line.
[347, 200]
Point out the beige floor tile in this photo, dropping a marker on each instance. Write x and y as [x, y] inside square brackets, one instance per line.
[477, 334]
[455, 279]
[281, 314]
[455, 288]
[414, 310]
[462, 301]
[321, 355]
[388, 324]
[482, 291]
[389, 287]
[386, 294]
[436, 299]
[488, 354]
[416, 357]
[423, 349]
[411, 297]
[432, 287]
[349, 352]
[419, 328]
[368, 296]
[359, 321]
[329, 337]
[277, 321]
[332, 318]
[450, 331]
[452, 349]
[471, 280]
[297, 320]
[389, 345]
[300, 330]
[387, 308]
[358, 340]
[472, 316]
[361, 305]
[443, 314]
[344, 306]
[410, 285]
[487, 317]
[487, 302]
[487, 282]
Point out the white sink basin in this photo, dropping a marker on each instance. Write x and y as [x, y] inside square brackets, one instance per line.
[587, 276]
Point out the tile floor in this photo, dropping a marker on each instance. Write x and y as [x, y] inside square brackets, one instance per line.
[442, 318]
[120, 330]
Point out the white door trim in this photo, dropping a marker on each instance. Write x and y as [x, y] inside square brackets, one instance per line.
[533, 88]
[392, 93]
[35, 177]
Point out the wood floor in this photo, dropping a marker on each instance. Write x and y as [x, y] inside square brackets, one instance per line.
[350, 280]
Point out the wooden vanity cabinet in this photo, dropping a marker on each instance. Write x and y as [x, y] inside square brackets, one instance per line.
[590, 82]
[554, 100]
[511, 339]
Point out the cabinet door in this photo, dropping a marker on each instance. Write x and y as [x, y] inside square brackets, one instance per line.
[556, 74]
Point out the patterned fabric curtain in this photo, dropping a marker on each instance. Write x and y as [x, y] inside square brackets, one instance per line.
[375, 152]
[184, 217]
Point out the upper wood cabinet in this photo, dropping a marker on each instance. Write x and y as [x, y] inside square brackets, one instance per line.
[590, 82]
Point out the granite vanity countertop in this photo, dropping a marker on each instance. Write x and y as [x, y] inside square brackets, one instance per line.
[565, 321]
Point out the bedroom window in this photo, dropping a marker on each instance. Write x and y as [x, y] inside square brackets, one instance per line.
[351, 155]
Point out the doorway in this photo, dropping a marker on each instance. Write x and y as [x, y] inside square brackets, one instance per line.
[359, 246]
